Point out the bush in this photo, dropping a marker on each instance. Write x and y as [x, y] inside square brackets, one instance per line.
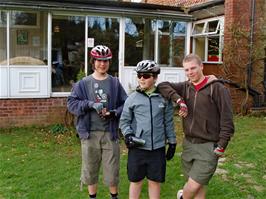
[58, 129]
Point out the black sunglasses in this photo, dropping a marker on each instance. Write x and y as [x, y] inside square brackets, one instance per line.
[145, 76]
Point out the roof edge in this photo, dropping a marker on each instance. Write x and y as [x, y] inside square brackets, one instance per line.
[204, 5]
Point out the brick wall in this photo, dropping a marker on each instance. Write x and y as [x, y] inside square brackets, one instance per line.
[236, 32]
[23, 112]
[237, 44]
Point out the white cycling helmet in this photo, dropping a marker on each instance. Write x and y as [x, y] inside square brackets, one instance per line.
[147, 66]
[101, 52]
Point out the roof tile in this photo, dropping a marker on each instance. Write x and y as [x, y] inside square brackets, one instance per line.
[184, 3]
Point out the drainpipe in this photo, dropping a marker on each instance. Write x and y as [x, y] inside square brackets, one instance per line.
[249, 66]
[264, 77]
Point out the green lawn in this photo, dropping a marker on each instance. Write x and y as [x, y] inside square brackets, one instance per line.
[37, 163]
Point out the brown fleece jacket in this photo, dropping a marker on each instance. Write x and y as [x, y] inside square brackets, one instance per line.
[210, 116]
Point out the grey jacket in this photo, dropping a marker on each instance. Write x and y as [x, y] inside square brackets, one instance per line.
[150, 118]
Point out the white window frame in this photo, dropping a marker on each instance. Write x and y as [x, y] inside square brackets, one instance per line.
[24, 81]
[205, 35]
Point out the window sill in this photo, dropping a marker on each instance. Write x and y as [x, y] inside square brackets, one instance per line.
[60, 94]
[210, 62]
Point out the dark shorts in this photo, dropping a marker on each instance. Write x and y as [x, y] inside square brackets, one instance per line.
[199, 162]
[143, 163]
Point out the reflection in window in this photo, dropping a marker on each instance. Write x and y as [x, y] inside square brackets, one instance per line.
[22, 18]
[28, 42]
[131, 28]
[213, 49]
[171, 43]
[105, 31]
[212, 26]
[198, 28]
[3, 48]
[208, 44]
[200, 49]
[139, 40]
[68, 51]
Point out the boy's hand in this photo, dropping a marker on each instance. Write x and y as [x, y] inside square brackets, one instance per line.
[109, 114]
[218, 150]
[170, 151]
[98, 107]
[182, 108]
[128, 140]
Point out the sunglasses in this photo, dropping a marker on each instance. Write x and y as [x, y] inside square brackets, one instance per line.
[145, 76]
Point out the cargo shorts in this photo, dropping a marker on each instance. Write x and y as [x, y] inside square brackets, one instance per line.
[199, 161]
[97, 150]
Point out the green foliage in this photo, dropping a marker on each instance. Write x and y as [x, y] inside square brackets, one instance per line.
[58, 129]
[80, 74]
[34, 163]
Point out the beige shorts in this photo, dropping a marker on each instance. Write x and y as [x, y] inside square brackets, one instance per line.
[199, 161]
[96, 150]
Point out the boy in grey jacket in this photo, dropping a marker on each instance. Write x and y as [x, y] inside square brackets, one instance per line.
[147, 124]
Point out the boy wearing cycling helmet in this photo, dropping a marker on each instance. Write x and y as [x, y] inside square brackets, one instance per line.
[97, 101]
[147, 124]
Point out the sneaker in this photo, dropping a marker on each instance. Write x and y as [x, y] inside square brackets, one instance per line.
[180, 194]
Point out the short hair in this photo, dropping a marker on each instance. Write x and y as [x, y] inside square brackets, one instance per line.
[192, 57]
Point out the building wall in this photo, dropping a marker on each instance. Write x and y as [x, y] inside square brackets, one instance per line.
[23, 112]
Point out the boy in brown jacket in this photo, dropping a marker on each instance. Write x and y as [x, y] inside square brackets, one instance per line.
[207, 124]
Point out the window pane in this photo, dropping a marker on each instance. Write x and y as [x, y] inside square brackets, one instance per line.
[213, 49]
[198, 28]
[3, 38]
[139, 40]
[171, 43]
[67, 51]
[105, 31]
[200, 47]
[28, 38]
[212, 26]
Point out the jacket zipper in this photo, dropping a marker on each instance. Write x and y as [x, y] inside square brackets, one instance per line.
[151, 124]
[194, 106]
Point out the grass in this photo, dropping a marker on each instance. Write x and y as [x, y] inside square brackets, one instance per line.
[37, 163]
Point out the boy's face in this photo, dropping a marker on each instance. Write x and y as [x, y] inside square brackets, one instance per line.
[193, 71]
[101, 66]
[146, 80]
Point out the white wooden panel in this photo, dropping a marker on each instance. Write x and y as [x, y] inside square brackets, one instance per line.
[3, 82]
[171, 74]
[29, 82]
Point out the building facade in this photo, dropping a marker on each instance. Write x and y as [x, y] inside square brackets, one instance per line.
[230, 36]
[44, 48]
